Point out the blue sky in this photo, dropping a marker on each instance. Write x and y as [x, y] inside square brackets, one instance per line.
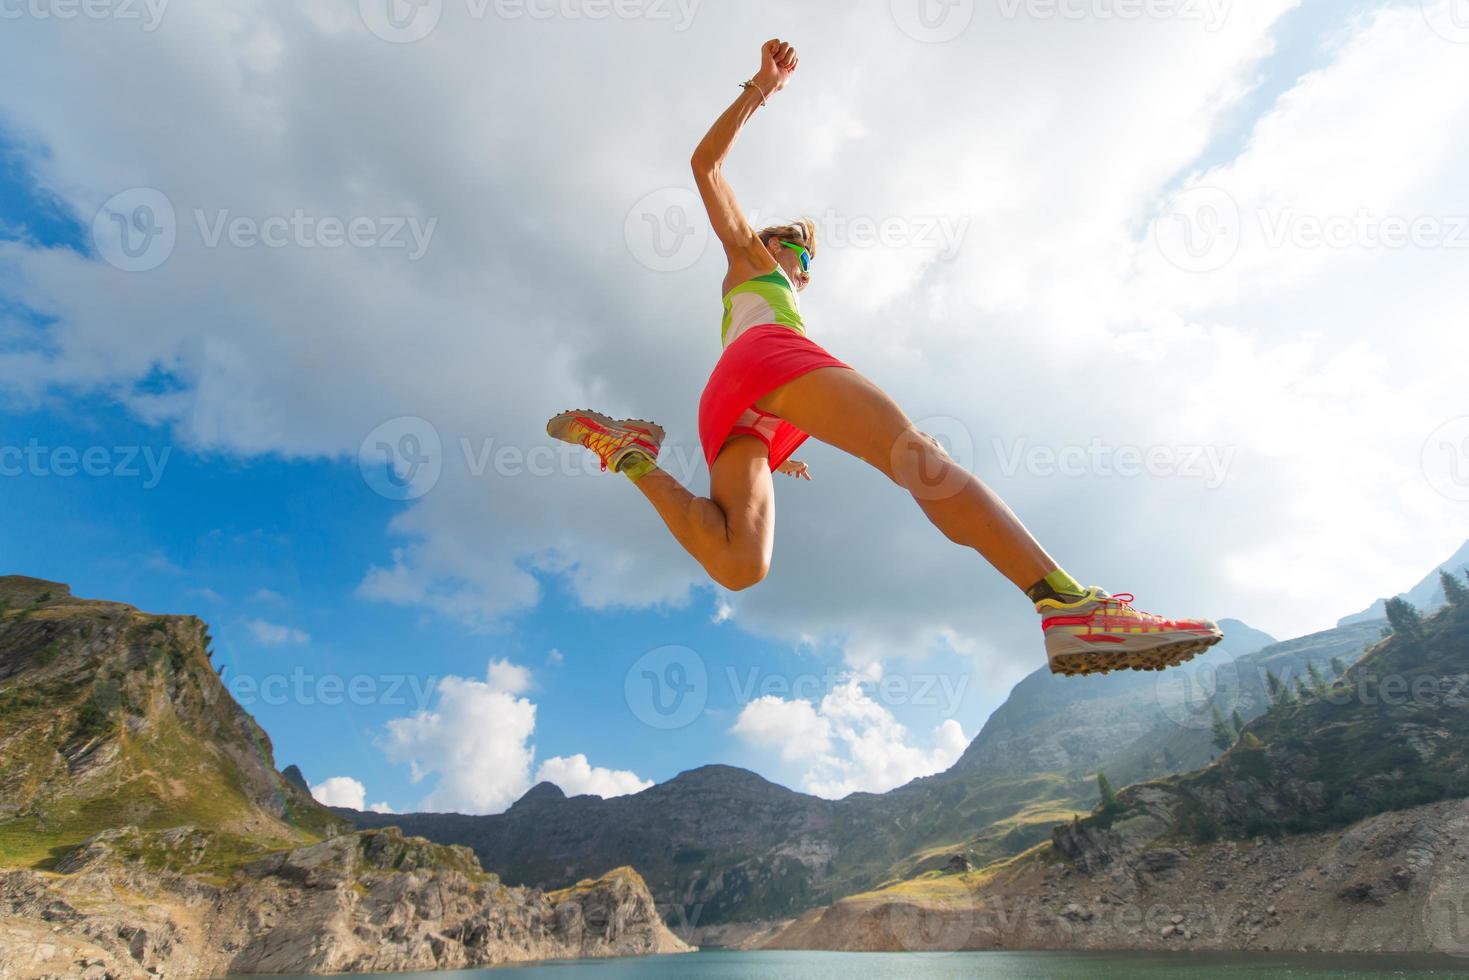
[1059, 319]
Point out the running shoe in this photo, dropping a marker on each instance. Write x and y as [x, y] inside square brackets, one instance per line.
[610, 439]
[1099, 633]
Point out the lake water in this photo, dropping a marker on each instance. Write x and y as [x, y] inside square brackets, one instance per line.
[729, 965]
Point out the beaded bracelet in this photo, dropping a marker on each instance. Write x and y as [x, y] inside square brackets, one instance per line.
[751, 84]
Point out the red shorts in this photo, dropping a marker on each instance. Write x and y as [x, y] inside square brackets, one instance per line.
[760, 360]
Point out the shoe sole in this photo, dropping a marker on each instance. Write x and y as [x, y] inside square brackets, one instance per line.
[1079, 663]
[569, 417]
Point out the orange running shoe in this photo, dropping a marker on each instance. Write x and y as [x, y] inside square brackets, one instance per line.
[610, 439]
[1099, 633]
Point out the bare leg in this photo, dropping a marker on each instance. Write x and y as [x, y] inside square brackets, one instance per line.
[732, 531]
[843, 408]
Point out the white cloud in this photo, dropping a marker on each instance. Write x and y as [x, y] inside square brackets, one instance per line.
[476, 739]
[275, 635]
[555, 658]
[381, 808]
[793, 728]
[508, 677]
[268, 596]
[1055, 320]
[575, 775]
[340, 791]
[848, 742]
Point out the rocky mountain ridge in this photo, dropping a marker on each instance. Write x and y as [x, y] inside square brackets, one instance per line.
[721, 845]
[145, 831]
[1334, 822]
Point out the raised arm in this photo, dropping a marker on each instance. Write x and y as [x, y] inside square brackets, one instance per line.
[746, 254]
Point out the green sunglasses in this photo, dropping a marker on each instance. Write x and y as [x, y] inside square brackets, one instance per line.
[800, 250]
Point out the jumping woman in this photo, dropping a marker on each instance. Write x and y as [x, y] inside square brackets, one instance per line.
[773, 387]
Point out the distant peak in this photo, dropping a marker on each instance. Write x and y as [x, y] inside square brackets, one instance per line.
[542, 792]
[296, 778]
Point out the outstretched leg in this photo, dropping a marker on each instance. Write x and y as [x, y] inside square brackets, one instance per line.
[843, 408]
[1091, 632]
[732, 531]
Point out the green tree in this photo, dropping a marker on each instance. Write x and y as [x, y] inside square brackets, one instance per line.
[1405, 619]
[1109, 796]
[1223, 735]
[1338, 667]
[1453, 590]
[1237, 722]
[1273, 687]
[1318, 679]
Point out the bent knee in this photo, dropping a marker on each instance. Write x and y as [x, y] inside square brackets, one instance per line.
[916, 459]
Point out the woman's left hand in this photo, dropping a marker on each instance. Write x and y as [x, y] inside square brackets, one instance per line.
[795, 468]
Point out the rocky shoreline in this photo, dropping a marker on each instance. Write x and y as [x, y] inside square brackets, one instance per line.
[372, 902]
[1395, 882]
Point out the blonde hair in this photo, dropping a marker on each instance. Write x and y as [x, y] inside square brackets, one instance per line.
[802, 230]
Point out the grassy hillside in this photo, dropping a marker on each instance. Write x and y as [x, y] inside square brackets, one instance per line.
[1391, 733]
[110, 717]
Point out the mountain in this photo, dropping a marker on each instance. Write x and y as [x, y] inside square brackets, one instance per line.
[1336, 822]
[722, 845]
[1427, 595]
[144, 829]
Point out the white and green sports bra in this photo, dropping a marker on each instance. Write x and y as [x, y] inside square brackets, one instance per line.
[770, 298]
